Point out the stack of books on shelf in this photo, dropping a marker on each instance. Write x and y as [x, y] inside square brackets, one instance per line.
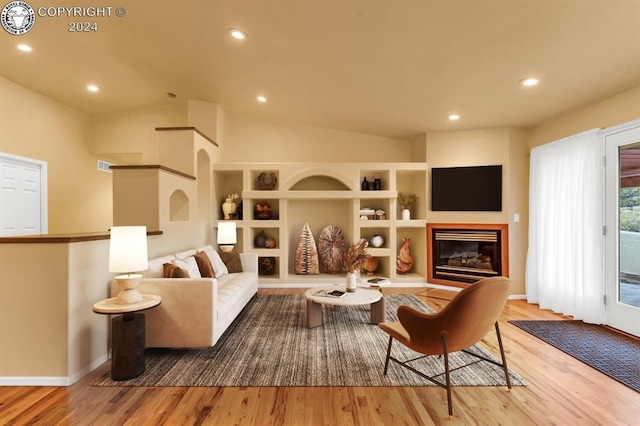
[366, 213]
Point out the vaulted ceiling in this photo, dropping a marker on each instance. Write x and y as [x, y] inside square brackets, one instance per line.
[386, 68]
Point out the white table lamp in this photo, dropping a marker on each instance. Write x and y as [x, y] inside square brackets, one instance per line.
[226, 235]
[128, 255]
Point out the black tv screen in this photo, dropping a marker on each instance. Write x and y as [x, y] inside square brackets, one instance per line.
[465, 189]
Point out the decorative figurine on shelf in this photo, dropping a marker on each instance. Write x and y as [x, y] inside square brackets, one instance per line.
[263, 210]
[229, 207]
[406, 202]
[404, 262]
[356, 257]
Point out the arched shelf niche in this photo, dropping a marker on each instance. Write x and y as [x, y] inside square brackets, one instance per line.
[178, 206]
[317, 180]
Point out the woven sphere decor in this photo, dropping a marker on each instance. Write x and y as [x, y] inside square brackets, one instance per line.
[332, 249]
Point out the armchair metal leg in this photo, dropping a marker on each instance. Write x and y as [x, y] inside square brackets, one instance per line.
[448, 377]
[504, 358]
[386, 363]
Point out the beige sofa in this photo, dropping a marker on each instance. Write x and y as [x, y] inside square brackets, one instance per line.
[194, 311]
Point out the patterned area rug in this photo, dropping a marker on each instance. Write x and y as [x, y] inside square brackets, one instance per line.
[270, 345]
[614, 354]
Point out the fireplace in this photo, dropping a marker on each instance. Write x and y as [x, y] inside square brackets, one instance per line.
[461, 254]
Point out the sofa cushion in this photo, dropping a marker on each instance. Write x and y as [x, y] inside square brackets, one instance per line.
[173, 271]
[185, 254]
[219, 268]
[232, 260]
[190, 265]
[231, 289]
[156, 268]
[204, 265]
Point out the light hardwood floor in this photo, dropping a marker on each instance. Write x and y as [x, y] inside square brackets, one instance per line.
[561, 391]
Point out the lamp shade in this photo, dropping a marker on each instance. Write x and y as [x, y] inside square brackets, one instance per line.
[227, 233]
[128, 249]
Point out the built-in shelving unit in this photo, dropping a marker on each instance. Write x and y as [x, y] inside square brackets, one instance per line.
[324, 194]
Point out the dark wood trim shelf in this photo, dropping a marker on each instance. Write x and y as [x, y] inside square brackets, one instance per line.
[62, 238]
[195, 129]
[153, 166]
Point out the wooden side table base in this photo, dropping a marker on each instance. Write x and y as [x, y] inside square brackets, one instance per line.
[314, 314]
[127, 360]
[379, 311]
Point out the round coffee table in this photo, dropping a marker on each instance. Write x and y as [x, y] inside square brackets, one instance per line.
[362, 296]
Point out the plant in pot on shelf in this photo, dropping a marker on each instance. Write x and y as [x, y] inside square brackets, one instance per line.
[406, 202]
[355, 259]
[229, 207]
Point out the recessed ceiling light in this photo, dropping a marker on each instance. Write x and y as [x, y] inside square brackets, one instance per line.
[92, 88]
[529, 81]
[261, 99]
[454, 117]
[25, 47]
[237, 34]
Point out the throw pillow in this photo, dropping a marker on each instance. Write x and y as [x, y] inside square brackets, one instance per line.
[204, 265]
[232, 260]
[173, 271]
[190, 265]
[219, 268]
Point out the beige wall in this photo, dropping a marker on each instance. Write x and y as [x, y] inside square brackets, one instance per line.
[507, 147]
[249, 139]
[130, 136]
[48, 328]
[610, 112]
[37, 127]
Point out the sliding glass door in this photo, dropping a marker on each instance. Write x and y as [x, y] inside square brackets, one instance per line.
[622, 213]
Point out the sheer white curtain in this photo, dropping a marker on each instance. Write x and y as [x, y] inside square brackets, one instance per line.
[566, 201]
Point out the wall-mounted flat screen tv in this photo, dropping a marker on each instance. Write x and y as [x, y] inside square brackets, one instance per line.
[477, 188]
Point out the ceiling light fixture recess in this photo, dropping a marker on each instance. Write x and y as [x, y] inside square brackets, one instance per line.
[454, 117]
[238, 34]
[261, 99]
[25, 47]
[92, 88]
[529, 81]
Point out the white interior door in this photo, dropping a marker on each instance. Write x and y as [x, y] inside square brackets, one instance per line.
[23, 207]
[622, 215]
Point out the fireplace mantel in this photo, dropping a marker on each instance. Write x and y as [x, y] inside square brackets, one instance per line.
[487, 255]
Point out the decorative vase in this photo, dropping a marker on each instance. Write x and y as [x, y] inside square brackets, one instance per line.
[270, 242]
[263, 211]
[377, 241]
[352, 279]
[365, 185]
[406, 214]
[229, 207]
[261, 240]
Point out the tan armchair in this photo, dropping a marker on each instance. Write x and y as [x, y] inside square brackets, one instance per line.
[461, 324]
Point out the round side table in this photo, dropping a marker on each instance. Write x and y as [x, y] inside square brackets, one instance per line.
[127, 335]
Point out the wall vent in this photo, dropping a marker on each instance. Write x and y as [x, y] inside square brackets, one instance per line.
[104, 166]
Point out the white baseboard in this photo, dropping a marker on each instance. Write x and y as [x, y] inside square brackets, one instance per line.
[33, 381]
[52, 380]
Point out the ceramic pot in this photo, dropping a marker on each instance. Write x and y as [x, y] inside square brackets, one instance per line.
[261, 240]
[270, 242]
[229, 207]
[352, 280]
[376, 241]
[406, 214]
